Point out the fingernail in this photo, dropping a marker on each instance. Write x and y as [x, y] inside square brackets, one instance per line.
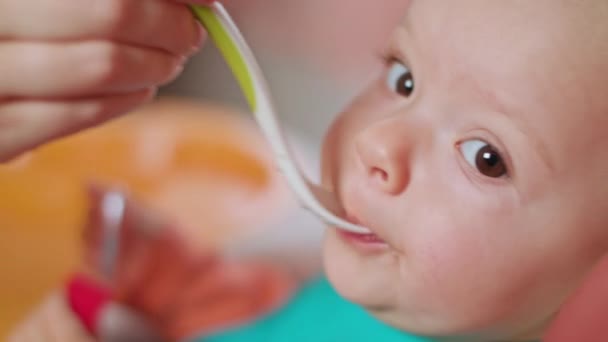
[201, 36]
[177, 70]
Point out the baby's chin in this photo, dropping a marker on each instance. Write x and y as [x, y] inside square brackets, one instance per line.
[353, 277]
[369, 282]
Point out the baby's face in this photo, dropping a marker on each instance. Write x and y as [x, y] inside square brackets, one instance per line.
[479, 161]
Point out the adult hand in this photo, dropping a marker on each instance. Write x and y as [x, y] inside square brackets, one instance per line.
[71, 64]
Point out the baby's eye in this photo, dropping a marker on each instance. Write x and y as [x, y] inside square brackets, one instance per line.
[400, 79]
[484, 158]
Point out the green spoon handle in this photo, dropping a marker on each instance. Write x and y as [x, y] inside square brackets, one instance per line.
[220, 33]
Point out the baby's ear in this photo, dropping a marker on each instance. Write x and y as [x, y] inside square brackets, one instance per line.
[584, 316]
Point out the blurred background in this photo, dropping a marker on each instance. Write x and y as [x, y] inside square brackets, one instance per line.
[196, 141]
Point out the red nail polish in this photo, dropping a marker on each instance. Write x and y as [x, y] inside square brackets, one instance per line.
[88, 300]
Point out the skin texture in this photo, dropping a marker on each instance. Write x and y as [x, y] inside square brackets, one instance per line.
[465, 254]
[60, 76]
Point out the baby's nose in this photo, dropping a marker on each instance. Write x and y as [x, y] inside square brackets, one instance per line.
[383, 150]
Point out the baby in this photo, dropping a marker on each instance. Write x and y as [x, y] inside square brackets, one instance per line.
[477, 158]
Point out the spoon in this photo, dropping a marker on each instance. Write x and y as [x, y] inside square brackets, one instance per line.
[239, 57]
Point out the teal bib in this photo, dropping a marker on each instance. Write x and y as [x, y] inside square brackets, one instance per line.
[316, 313]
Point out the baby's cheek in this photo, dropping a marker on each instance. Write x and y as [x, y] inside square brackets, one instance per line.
[445, 260]
[462, 244]
[459, 280]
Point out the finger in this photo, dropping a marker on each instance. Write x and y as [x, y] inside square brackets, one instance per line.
[30, 332]
[60, 323]
[81, 69]
[27, 124]
[35, 327]
[23, 331]
[160, 24]
[583, 317]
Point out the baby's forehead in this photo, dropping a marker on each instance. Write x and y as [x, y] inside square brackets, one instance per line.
[548, 58]
[557, 47]
[576, 27]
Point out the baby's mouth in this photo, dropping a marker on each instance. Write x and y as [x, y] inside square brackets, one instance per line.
[362, 240]
[365, 238]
